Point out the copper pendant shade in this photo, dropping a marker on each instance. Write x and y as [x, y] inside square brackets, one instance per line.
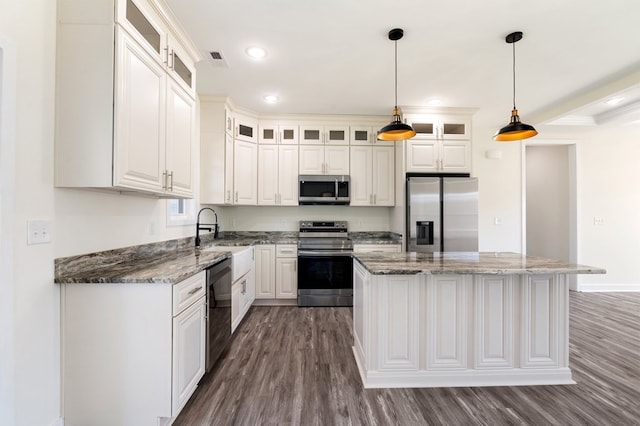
[396, 130]
[515, 130]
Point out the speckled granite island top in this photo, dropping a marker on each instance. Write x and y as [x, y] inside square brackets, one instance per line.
[495, 263]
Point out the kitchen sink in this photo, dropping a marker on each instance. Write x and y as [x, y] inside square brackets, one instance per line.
[241, 259]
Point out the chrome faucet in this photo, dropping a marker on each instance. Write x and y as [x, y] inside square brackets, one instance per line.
[206, 226]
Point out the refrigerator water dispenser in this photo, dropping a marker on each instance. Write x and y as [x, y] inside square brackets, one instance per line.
[424, 232]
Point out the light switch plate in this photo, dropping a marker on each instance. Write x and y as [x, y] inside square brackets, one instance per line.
[38, 232]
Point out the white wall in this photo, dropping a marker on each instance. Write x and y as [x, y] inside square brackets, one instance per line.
[35, 349]
[609, 178]
[609, 181]
[88, 221]
[286, 218]
[7, 147]
[500, 192]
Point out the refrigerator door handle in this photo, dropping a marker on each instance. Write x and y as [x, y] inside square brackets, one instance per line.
[424, 232]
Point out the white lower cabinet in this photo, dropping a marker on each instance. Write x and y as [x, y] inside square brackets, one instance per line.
[265, 271]
[188, 354]
[286, 271]
[460, 330]
[132, 354]
[277, 268]
[243, 293]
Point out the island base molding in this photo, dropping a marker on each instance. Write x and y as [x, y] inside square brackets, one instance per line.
[463, 378]
[436, 330]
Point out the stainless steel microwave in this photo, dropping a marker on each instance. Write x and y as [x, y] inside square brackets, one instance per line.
[323, 189]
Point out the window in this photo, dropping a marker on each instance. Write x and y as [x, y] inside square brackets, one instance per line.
[181, 212]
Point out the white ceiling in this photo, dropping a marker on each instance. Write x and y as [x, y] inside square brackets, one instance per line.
[334, 57]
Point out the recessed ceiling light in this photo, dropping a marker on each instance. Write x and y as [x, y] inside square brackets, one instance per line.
[271, 99]
[614, 101]
[256, 52]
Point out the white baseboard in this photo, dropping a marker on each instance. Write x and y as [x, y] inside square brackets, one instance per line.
[609, 287]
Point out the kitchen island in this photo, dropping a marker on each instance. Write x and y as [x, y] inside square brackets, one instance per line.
[462, 319]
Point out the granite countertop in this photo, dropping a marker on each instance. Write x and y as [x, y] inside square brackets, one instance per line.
[495, 263]
[170, 267]
[375, 238]
[175, 260]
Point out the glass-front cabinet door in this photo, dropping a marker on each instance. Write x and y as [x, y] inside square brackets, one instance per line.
[324, 135]
[144, 26]
[181, 66]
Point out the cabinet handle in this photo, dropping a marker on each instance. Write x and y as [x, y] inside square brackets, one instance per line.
[164, 180]
[228, 195]
[194, 290]
[375, 199]
[166, 55]
[244, 287]
[173, 60]
[236, 196]
[170, 176]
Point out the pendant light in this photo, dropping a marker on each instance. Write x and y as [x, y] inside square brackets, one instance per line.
[396, 130]
[515, 130]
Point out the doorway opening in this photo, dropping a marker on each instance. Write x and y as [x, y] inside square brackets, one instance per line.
[550, 202]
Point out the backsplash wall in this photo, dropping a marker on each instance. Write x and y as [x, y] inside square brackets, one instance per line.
[251, 218]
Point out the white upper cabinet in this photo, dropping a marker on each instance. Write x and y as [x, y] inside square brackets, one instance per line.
[277, 175]
[216, 153]
[372, 176]
[442, 143]
[139, 143]
[324, 134]
[141, 20]
[126, 111]
[324, 160]
[436, 126]
[245, 128]
[448, 156]
[181, 140]
[273, 132]
[245, 176]
[367, 135]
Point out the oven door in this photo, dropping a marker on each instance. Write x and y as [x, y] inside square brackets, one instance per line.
[325, 278]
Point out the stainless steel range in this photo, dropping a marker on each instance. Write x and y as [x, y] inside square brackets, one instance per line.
[325, 266]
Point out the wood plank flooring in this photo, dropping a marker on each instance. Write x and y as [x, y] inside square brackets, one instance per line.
[294, 366]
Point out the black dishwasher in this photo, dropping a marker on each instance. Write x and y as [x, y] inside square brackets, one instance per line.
[218, 311]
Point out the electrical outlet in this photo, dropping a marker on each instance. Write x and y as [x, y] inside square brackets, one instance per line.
[598, 220]
[497, 220]
[38, 232]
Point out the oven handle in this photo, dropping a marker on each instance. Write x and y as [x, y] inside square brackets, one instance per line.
[311, 253]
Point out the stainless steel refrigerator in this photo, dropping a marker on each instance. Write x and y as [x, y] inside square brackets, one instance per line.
[442, 214]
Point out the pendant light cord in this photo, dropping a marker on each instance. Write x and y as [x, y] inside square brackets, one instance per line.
[395, 42]
[514, 74]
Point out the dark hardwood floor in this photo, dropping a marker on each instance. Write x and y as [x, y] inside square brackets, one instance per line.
[294, 366]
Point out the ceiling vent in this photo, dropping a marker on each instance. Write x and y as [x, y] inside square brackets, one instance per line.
[217, 59]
